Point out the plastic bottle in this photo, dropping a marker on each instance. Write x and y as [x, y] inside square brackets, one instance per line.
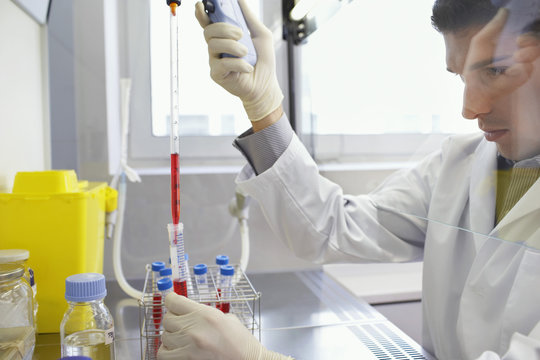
[227, 272]
[87, 327]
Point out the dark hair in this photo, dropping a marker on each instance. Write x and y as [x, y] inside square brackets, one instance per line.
[456, 15]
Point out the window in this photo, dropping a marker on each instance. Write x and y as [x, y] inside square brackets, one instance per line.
[378, 68]
[373, 82]
[205, 108]
[209, 116]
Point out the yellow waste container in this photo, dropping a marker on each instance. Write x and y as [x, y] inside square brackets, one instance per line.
[61, 221]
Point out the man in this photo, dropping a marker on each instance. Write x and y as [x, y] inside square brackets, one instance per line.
[477, 232]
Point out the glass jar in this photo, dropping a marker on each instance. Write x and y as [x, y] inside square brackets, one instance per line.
[11, 259]
[87, 327]
[17, 331]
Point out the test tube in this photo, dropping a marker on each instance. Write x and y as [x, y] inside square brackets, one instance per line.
[227, 272]
[201, 281]
[164, 286]
[220, 261]
[188, 275]
[178, 261]
[186, 257]
[165, 273]
[157, 266]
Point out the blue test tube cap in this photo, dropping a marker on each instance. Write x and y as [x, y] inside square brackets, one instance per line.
[158, 265]
[165, 272]
[222, 260]
[164, 284]
[200, 269]
[186, 256]
[227, 270]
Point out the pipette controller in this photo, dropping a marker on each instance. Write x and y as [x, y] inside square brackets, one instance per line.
[229, 11]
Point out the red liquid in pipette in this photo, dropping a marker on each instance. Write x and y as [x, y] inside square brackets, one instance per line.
[180, 287]
[175, 189]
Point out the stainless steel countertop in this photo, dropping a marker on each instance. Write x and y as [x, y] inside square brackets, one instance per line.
[304, 314]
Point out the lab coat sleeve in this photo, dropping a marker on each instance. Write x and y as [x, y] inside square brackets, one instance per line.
[321, 224]
[521, 347]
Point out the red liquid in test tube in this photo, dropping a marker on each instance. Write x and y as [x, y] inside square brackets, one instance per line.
[180, 287]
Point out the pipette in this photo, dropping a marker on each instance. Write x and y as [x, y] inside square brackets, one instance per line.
[174, 136]
[176, 236]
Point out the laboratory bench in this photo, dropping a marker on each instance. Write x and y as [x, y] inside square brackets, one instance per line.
[305, 314]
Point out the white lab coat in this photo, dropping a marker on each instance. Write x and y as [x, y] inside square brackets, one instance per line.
[480, 294]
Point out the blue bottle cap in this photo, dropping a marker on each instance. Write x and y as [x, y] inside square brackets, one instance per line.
[158, 265]
[222, 259]
[85, 287]
[200, 269]
[227, 270]
[165, 272]
[164, 284]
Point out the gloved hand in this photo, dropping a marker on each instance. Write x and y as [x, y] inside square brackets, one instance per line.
[257, 86]
[196, 331]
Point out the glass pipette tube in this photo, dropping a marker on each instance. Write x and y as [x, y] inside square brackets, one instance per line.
[174, 135]
[178, 261]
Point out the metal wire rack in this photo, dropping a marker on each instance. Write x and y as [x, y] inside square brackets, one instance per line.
[245, 303]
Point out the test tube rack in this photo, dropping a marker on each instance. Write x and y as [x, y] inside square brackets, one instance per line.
[245, 303]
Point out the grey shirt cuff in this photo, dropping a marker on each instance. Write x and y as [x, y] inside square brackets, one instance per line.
[262, 149]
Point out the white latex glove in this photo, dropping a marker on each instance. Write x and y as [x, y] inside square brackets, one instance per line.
[200, 332]
[257, 86]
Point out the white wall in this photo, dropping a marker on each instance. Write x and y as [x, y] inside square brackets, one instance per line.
[24, 128]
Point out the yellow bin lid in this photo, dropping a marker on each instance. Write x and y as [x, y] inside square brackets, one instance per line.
[46, 182]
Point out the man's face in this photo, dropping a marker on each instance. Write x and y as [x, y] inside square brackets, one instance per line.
[510, 118]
